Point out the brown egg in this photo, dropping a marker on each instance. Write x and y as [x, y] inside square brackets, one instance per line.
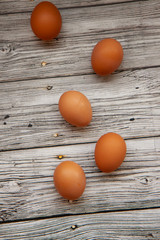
[110, 152]
[69, 180]
[46, 21]
[107, 56]
[75, 108]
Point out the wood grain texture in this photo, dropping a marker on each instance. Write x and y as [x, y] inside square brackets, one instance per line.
[130, 225]
[27, 190]
[128, 105]
[33, 134]
[136, 25]
[14, 6]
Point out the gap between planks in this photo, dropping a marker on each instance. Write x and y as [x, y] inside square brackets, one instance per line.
[144, 224]
[115, 2]
[71, 144]
[80, 74]
[77, 214]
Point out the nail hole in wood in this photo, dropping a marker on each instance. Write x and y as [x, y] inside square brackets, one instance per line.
[55, 135]
[29, 125]
[150, 235]
[132, 119]
[146, 179]
[60, 156]
[43, 64]
[73, 227]
[49, 87]
[7, 116]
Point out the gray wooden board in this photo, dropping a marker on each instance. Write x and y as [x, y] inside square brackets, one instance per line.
[136, 25]
[14, 6]
[33, 134]
[27, 190]
[117, 104]
[129, 225]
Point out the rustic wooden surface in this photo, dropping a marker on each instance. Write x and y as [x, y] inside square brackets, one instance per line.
[135, 24]
[27, 181]
[139, 225]
[122, 205]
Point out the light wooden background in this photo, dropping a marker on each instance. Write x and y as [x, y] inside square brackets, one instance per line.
[122, 205]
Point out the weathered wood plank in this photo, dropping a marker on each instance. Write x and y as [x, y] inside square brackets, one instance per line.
[29, 118]
[118, 106]
[27, 190]
[11, 6]
[140, 225]
[136, 25]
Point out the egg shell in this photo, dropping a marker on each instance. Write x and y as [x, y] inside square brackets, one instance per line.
[75, 108]
[46, 21]
[106, 56]
[110, 152]
[69, 180]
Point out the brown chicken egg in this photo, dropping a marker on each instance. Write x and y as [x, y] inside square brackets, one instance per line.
[110, 152]
[69, 180]
[46, 21]
[75, 108]
[107, 56]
